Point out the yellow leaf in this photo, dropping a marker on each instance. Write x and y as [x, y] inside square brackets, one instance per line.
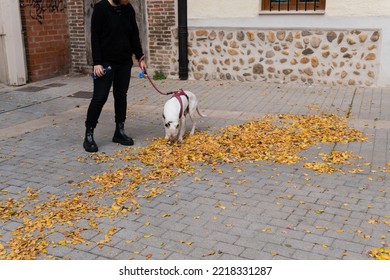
[373, 221]
[380, 254]
[116, 207]
[111, 231]
[148, 236]
[211, 253]
[219, 205]
[62, 242]
[321, 227]
[267, 230]
[148, 256]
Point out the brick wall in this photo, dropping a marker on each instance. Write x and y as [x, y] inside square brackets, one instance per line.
[78, 43]
[161, 22]
[46, 39]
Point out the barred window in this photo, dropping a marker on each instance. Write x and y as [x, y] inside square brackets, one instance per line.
[293, 5]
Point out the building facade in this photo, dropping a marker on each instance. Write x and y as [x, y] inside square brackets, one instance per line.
[334, 43]
[326, 42]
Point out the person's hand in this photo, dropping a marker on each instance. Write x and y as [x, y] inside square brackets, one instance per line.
[142, 65]
[98, 70]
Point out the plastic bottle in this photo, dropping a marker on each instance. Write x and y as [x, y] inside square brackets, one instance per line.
[105, 70]
[143, 74]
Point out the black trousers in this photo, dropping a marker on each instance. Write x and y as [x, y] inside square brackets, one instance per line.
[119, 79]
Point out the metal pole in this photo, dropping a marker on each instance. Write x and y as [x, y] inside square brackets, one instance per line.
[183, 39]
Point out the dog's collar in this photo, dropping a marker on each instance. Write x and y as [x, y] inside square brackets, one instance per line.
[178, 95]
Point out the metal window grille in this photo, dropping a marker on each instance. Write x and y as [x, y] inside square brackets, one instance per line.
[294, 5]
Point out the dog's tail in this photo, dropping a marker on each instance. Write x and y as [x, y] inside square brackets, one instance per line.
[200, 114]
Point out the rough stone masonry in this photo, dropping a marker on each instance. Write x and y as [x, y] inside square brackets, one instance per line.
[341, 57]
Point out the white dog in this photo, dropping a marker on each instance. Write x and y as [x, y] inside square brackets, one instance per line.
[175, 111]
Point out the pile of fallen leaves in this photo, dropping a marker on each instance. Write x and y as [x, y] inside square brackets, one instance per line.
[276, 138]
[380, 254]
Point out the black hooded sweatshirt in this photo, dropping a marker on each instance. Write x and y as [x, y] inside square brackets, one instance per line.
[114, 34]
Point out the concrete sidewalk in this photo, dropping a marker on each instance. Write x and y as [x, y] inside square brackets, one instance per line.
[267, 211]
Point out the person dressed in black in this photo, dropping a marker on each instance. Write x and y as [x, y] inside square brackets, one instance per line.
[114, 39]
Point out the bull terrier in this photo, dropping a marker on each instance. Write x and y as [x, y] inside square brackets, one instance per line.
[175, 112]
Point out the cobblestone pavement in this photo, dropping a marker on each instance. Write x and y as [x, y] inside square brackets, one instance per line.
[259, 210]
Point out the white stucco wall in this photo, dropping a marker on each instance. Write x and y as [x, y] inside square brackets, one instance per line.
[250, 8]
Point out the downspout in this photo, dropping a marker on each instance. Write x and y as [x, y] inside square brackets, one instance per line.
[183, 39]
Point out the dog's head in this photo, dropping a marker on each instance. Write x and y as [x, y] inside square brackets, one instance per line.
[172, 130]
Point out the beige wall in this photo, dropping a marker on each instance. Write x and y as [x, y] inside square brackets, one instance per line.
[358, 7]
[222, 8]
[250, 8]
[12, 59]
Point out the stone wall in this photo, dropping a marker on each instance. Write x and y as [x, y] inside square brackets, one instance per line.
[339, 57]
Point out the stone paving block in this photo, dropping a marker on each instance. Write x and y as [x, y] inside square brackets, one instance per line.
[258, 217]
[227, 248]
[197, 220]
[280, 250]
[124, 255]
[249, 242]
[202, 242]
[128, 234]
[179, 246]
[211, 209]
[156, 253]
[303, 255]
[10, 225]
[197, 230]
[175, 226]
[348, 246]
[216, 225]
[317, 239]
[298, 244]
[253, 254]
[355, 256]
[270, 238]
[223, 237]
[106, 252]
[80, 255]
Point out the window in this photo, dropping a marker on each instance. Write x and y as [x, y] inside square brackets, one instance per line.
[293, 5]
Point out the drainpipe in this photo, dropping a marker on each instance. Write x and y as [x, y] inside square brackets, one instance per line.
[183, 39]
